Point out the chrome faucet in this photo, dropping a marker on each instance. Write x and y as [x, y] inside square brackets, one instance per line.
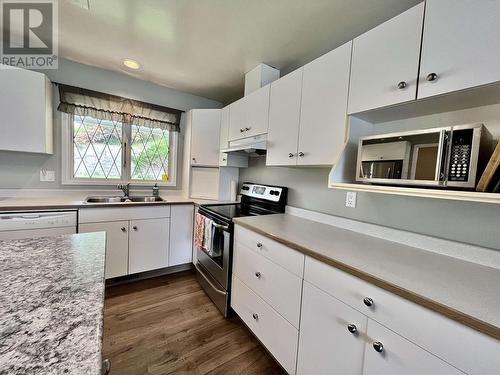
[125, 188]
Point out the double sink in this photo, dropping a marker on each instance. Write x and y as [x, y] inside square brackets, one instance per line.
[118, 199]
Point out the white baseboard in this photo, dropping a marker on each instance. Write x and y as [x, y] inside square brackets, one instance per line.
[476, 254]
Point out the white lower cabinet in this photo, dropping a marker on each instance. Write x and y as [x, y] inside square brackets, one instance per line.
[341, 331]
[116, 245]
[275, 332]
[387, 353]
[181, 235]
[327, 345]
[148, 244]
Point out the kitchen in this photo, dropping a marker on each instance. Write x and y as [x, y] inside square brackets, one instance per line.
[321, 201]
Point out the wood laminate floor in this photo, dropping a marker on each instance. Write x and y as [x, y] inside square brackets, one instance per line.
[167, 325]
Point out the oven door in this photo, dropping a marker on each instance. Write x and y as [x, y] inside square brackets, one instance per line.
[217, 262]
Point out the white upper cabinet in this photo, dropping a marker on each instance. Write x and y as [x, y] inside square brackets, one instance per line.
[385, 62]
[205, 137]
[460, 45]
[324, 105]
[249, 116]
[224, 128]
[26, 108]
[284, 119]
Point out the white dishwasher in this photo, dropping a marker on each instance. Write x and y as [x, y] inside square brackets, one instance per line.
[17, 225]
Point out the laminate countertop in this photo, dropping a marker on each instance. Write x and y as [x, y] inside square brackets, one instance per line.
[52, 300]
[461, 290]
[53, 203]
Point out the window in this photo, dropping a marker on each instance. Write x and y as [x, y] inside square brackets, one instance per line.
[103, 152]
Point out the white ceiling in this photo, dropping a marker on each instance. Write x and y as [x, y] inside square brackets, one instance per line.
[205, 46]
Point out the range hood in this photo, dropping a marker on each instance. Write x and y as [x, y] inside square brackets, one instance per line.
[251, 145]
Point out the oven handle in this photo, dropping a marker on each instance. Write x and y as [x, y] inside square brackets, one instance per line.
[200, 271]
[219, 226]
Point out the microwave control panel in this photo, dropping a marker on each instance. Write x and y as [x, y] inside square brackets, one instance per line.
[461, 145]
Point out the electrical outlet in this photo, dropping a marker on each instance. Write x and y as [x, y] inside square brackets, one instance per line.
[47, 176]
[350, 199]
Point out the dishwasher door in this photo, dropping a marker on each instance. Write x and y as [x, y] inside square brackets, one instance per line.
[20, 225]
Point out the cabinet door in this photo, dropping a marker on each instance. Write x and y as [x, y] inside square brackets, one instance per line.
[205, 137]
[284, 118]
[237, 119]
[116, 245]
[181, 234]
[257, 112]
[324, 105]
[26, 108]
[460, 45]
[399, 356]
[224, 128]
[385, 62]
[326, 346]
[148, 244]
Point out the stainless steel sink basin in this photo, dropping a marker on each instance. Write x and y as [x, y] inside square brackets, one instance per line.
[105, 199]
[136, 199]
[146, 199]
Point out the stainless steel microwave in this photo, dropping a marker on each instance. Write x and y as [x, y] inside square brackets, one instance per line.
[453, 156]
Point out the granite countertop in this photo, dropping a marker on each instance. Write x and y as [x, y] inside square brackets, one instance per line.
[464, 291]
[51, 314]
[37, 203]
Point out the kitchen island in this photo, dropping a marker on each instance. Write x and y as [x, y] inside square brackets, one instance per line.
[52, 300]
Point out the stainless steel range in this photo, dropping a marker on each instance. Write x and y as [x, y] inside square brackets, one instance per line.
[214, 264]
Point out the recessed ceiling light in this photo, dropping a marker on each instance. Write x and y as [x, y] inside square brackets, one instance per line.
[132, 64]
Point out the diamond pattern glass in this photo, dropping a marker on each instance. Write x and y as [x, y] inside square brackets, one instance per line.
[150, 148]
[97, 148]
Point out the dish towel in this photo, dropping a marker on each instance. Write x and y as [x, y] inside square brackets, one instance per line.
[207, 236]
[199, 231]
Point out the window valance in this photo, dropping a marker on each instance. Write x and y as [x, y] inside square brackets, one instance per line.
[103, 106]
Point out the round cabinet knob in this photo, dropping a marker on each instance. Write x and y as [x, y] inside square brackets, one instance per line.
[377, 345]
[301, 154]
[134, 227]
[247, 129]
[431, 77]
[258, 275]
[290, 155]
[402, 85]
[352, 328]
[194, 159]
[368, 301]
[123, 229]
[255, 316]
[259, 244]
[242, 130]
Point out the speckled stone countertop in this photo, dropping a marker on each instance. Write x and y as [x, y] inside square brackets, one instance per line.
[52, 300]
[463, 291]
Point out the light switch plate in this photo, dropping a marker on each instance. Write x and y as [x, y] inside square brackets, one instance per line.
[350, 199]
[47, 176]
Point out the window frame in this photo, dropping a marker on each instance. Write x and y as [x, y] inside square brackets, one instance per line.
[67, 159]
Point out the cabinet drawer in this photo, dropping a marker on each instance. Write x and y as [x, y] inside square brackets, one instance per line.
[287, 258]
[277, 334]
[98, 215]
[439, 335]
[277, 286]
[326, 346]
[399, 356]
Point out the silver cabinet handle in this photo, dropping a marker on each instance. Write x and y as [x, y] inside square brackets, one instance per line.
[290, 155]
[248, 128]
[352, 328]
[255, 316]
[194, 159]
[402, 85]
[123, 229]
[431, 77]
[258, 275]
[242, 130]
[301, 154]
[135, 227]
[259, 244]
[377, 345]
[368, 301]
